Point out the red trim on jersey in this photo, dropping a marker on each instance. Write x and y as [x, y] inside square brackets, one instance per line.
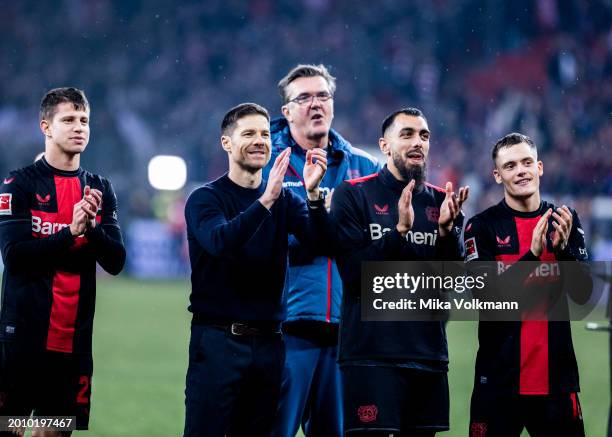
[63, 311]
[329, 289]
[362, 179]
[534, 376]
[574, 406]
[435, 187]
[66, 285]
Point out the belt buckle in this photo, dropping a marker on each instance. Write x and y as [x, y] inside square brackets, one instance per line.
[238, 329]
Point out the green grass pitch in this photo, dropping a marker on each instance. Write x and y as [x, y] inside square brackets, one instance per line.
[140, 358]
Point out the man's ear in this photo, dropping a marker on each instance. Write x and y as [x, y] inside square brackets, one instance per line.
[45, 128]
[496, 175]
[540, 168]
[286, 113]
[226, 143]
[385, 148]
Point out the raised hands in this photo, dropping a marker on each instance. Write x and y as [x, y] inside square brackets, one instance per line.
[451, 208]
[538, 236]
[275, 179]
[84, 212]
[405, 211]
[562, 222]
[314, 170]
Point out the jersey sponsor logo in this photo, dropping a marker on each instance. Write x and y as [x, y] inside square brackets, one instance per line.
[583, 251]
[415, 237]
[293, 184]
[544, 270]
[503, 242]
[471, 251]
[5, 203]
[432, 213]
[382, 210]
[367, 413]
[43, 200]
[8, 180]
[46, 228]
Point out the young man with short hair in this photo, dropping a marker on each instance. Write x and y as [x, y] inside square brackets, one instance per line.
[56, 222]
[526, 372]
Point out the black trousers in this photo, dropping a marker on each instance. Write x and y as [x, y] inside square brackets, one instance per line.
[233, 383]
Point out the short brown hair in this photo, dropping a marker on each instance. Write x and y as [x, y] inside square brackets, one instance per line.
[305, 70]
[237, 112]
[52, 98]
[510, 140]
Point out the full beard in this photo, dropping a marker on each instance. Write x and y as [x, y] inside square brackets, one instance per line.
[409, 172]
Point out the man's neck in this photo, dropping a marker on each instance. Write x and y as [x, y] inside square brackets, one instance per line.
[310, 143]
[245, 178]
[525, 204]
[61, 160]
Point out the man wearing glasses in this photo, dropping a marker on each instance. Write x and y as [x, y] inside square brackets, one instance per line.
[311, 393]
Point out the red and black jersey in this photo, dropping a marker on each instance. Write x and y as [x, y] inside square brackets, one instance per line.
[48, 285]
[365, 210]
[532, 357]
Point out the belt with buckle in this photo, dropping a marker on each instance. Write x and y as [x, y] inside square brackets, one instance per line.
[241, 329]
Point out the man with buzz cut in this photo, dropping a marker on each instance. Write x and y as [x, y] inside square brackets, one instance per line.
[311, 394]
[57, 221]
[394, 374]
[237, 229]
[526, 372]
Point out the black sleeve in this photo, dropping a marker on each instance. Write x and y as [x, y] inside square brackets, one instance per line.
[450, 247]
[20, 250]
[354, 245]
[310, 223]
[578, 281]
[105, 239]
[216, 234]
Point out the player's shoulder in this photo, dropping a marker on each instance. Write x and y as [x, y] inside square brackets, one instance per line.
[547, 204]
[431, 190]
[95, 180]
[361, 181]
[484, 219]
[22, 178]
[210, 190]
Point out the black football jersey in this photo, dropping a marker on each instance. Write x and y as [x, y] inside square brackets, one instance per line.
[49, 281]
[532, 357]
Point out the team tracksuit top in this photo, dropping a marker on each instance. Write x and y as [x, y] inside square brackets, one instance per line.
[238, 250]
[49, 281]
[313, 287]
[532, 357]
[365, 210]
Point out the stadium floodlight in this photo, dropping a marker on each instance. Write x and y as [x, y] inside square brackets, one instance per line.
[167, 172]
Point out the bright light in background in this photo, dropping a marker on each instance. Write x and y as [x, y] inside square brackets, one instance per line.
[167, 172]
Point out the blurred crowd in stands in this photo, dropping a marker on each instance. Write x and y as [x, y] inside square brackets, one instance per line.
[160, 75]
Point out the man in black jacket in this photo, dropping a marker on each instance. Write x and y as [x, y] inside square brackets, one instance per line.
[237, 228]
[394, 373]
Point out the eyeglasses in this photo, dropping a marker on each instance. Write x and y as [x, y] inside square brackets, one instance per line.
[308, 99]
